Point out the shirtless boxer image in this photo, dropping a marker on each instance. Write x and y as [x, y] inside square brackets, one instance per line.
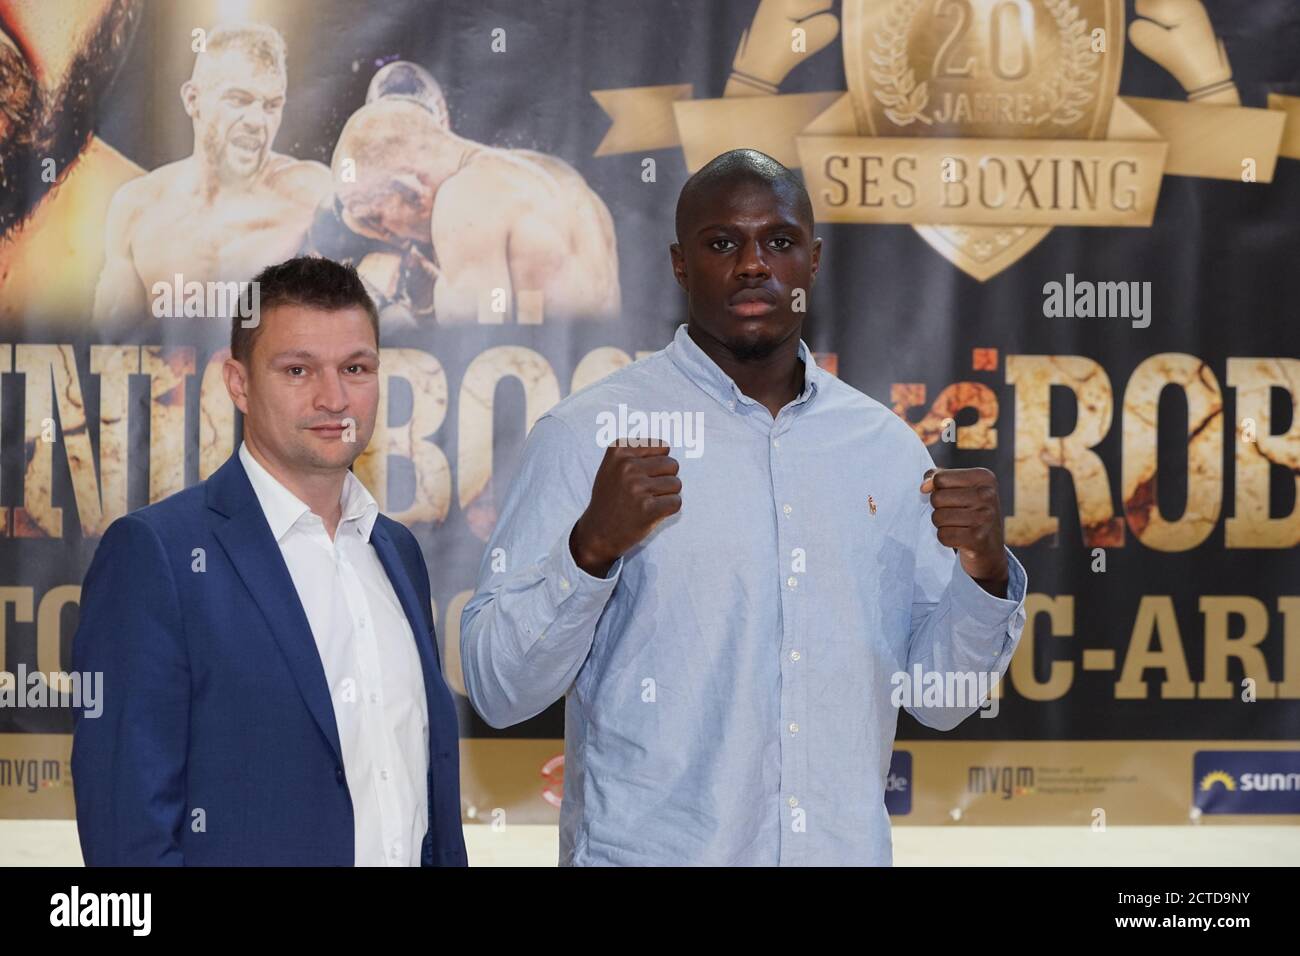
[400, 280]
[57, 63]
[231, 207]
[442, 224]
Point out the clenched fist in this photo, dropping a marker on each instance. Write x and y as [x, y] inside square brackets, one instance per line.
[968, 514]
[636, 487]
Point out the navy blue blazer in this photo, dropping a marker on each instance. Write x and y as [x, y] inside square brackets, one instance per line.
[217, 743]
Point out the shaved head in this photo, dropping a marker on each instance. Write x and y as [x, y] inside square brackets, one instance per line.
[388, 136]
[410, 81]
[389, 144]
[741, 167]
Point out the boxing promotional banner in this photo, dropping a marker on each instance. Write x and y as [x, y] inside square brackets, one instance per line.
[1058, 242]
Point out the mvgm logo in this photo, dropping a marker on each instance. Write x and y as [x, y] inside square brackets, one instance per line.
[1007, 781]
[1246, 781]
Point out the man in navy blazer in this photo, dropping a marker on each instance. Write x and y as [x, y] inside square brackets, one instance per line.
[272, 688]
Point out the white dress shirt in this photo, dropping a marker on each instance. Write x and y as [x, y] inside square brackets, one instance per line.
[370, 660]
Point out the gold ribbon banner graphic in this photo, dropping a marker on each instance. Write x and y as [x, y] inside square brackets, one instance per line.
[1113, 181]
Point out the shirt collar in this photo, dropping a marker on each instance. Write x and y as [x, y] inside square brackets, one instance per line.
[284, 509]
[704, 372]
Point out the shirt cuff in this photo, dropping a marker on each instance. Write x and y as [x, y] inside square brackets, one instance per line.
[565, 581]
[971, 600]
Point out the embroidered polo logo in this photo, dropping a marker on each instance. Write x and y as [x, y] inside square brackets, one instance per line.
[871, 503]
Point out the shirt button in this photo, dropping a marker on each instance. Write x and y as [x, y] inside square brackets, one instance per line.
[374, 698]
[339, 775]
[383, 775]
[794, 728]
[564, 584]
[794, 655]
[731, 406]
[776, 443]
[787, 509]
[794, 801]
[792, 581]
[396, 852]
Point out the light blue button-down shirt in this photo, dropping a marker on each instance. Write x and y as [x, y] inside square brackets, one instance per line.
[731, 687]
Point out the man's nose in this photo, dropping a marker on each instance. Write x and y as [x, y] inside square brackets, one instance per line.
[751, 263]
[255, 116]
[331, 393]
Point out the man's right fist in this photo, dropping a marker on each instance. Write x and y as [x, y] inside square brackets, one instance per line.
[636, 487]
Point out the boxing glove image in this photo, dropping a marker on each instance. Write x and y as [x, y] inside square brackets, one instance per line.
[1178, 35]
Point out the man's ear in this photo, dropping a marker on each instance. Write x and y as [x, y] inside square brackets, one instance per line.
[679, 263]
[190, 98]
[816, 257]
[235, 374]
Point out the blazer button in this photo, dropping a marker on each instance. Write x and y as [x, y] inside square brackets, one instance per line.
[340, 776]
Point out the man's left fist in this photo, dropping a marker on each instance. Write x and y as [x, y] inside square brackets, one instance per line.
[968, 514]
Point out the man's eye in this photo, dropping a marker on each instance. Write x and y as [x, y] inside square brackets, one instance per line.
[356, 369]
[783, 239]
[293, 371]
[715, 243]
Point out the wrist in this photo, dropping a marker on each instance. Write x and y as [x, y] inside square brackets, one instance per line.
[750, 84]
[996, 584]
[587, 555]
[991, 572]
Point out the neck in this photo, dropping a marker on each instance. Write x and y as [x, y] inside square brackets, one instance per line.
[320, 491]
[773, 380]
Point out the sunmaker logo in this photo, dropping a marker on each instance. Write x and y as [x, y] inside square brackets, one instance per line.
[1246, 781]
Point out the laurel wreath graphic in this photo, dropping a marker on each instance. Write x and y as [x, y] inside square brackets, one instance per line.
[1069, 90]
[905, 100]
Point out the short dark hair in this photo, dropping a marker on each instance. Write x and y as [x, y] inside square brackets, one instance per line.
[743, 165]
[312, 281]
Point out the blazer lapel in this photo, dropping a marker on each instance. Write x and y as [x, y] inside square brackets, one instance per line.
[406, 594]
[255, 555]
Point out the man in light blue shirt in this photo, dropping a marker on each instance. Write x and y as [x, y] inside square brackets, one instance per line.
[729, 562]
